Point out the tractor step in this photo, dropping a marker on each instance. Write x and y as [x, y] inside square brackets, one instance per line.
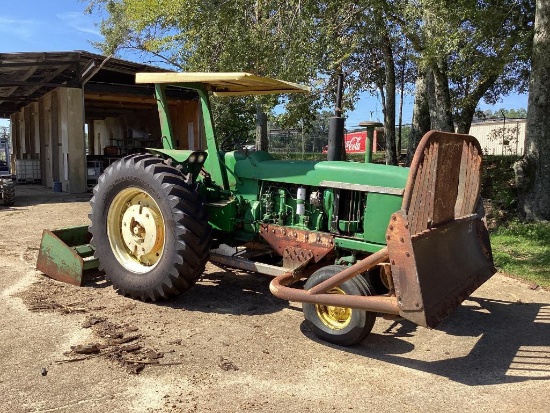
[66, 253]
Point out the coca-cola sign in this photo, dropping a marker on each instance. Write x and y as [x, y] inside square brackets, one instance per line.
[355, 142]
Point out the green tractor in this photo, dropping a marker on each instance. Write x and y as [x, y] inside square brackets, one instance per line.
[370, 239]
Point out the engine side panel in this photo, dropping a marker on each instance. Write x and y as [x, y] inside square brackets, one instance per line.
[352, 202]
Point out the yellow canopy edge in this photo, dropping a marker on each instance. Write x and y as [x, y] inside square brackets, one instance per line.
[225, 84]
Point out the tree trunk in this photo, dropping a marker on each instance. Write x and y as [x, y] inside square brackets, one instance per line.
[421, 115]
[439, 97]
[401, 93]
[389, 105]
[533, 170]
[464, 119]
[470, 101]
[262, 143]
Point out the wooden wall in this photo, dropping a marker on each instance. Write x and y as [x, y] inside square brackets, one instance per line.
[113, 130]
[187, 125]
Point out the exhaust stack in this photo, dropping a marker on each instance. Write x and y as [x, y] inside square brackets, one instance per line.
[336, 127]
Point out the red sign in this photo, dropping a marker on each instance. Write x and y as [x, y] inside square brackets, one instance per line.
[355, 142]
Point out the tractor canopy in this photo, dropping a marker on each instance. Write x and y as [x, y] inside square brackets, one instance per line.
[224, 84]
[218, 84]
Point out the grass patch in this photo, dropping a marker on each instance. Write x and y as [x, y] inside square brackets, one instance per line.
[523, 250]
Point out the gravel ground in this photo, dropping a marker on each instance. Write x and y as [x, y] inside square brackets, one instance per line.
[227, 345]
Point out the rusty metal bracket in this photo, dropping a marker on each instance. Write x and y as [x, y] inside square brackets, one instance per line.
[296, 258]
[282, 238]
[436, 269]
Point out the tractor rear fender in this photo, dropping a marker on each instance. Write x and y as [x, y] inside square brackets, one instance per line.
[437, 243]
[180, 156]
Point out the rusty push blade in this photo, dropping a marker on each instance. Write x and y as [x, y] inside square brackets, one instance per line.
[66, 253]
[438, 246]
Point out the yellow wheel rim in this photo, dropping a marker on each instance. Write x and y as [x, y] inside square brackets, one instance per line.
[335, 318]
[135, 228]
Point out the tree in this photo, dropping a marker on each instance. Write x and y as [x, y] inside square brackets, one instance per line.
[469, 50]
[466, 50]
[533, 170]
[267, 38]
[502, 113]
[421, 115]
[490, 54]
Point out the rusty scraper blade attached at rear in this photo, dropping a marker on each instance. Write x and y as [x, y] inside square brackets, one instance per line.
[66, 253]
[438, 243]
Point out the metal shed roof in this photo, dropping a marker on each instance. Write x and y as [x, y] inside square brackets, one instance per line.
[25, 77]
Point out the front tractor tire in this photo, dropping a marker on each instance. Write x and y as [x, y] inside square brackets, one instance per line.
[339, 325]
[149, 228]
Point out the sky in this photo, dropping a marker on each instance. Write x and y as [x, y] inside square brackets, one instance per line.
[61, 25]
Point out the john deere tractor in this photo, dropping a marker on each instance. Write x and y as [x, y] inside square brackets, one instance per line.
[368, 239]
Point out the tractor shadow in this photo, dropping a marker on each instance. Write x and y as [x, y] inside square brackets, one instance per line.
[513, 343]
[229, 292]
[502, 341]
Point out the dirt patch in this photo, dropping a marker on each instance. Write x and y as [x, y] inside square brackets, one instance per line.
[135, 346]
[229, 345]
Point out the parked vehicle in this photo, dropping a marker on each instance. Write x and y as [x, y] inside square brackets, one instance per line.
[370, 239]
[7, 187]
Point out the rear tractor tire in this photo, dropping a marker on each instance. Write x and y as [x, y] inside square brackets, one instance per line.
[8, 192]
[339, 325]
[149, 228]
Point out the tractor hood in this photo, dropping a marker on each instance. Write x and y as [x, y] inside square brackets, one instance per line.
[335, 174]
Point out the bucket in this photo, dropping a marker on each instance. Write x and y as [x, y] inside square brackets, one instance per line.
[66, 253]
[57, 187]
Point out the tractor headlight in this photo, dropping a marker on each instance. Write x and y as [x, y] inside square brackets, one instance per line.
[201, 158]
[192, 158]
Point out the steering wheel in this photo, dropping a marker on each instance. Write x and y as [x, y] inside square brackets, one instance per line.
[232, 143]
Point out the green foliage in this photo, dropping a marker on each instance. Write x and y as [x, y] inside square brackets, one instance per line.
[234, 118]
[482, 46]
[504, 113]
[498, 187]
[267, 38]
[311, 133]
[298, 156]
[378, 157]
[490, 55]
[523, 250]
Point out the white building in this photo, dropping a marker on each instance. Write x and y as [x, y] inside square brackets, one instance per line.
[499, 136]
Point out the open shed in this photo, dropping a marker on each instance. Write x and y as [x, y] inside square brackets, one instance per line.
[73, 113]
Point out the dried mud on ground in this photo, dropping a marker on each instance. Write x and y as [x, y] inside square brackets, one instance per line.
[227, 345]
